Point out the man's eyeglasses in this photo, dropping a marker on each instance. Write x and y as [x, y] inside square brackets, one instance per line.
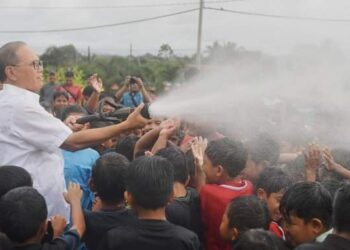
[36, 64]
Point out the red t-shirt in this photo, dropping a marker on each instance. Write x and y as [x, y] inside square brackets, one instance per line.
[277, 230]
[214, 199]
[74, 92]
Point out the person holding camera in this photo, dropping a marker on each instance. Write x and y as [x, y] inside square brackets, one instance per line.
[132, 93]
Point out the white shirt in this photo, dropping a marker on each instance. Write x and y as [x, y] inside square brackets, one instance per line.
[30, 138]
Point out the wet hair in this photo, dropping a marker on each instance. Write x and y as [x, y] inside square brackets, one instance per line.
[126, 146]
[22, 211]
[12, 177]
[57, 94]
[190, 164]
[247, 212]
[230, 154]
[150, 181]
[178, 160]
[8, 56]
[273, 180]
[259, 239]
[67, 111]
[307, 200]
[341, 206]
[69, 74]
[296, 169]
[108, 176]
[264, 147]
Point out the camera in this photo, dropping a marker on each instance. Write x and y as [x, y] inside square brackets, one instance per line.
[133, 80]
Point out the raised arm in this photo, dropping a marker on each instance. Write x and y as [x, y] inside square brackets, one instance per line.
[89, 137]
[73, 197]
[122, 90]
[312, 162]
[146, 97]
[198, 147]
[97, 84]
[331, 165]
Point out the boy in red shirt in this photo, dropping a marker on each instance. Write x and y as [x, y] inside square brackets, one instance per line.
[217, 170]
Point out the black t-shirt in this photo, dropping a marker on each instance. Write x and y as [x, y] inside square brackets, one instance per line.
[332, 242]
[151, 235]
[185, 212]
[68, 241]
[98, 223]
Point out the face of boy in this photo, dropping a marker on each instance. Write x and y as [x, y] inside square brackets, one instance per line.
[210, 170]
[298, 231]
[273, 203]
[226, 233]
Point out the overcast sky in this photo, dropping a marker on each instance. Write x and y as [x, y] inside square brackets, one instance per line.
[271, 35]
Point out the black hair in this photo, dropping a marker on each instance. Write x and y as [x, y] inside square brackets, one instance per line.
[5, 243]
[178, 160]
[126, 146]
[52, 73]
[12, 177]
[69, 74]
[307, 200]
[247, 212]
[341, 206]
[259, 239]
[108, 176]
[8, 56]
[190, 164]
[230, 154]
[264, 147]
[57, 94]
[88, 90]
[22, 211]
[296, 169]
[67, 111]
[332, 185]
[150, 181]
[273, 180]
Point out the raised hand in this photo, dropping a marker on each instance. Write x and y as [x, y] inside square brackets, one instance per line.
[96, 83]
[198, 147]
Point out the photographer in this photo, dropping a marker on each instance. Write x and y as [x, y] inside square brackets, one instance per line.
[132, 93]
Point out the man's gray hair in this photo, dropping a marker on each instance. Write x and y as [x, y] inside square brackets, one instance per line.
[8, 56]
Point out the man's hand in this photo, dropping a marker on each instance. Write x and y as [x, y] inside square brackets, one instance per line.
[330, 164]
[74, 193]
[59, 224]
[127, 82]
[168, 128]
[135, 119]
[139, 82]
[312, 161]
[198, 147]
[96, 83]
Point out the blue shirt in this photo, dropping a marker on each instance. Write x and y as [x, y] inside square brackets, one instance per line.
[77, 169]
[127, 101]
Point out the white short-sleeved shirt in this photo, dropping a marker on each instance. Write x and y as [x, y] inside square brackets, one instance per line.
[30, 137]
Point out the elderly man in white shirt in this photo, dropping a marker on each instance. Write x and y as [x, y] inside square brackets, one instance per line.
[30, 137]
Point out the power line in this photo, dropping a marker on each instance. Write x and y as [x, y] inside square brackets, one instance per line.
[278, 16]
[117, 6]
[99, 26]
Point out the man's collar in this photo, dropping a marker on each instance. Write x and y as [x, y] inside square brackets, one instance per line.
[12, 87]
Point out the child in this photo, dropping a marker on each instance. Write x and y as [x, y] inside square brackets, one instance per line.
[23, 218]
[340, 239]
[241, 214]
[259, 239]
[306, 208]
[270, 187]
[149, 185]
[184, 210]
[12, 177]
[78, 164]
[107, 181]
[263, 150]
[220, 166]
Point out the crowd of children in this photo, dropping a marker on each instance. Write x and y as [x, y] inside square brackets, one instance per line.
[178, 185]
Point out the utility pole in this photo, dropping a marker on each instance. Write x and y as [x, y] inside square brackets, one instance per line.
[199, 34]
[89, 54]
